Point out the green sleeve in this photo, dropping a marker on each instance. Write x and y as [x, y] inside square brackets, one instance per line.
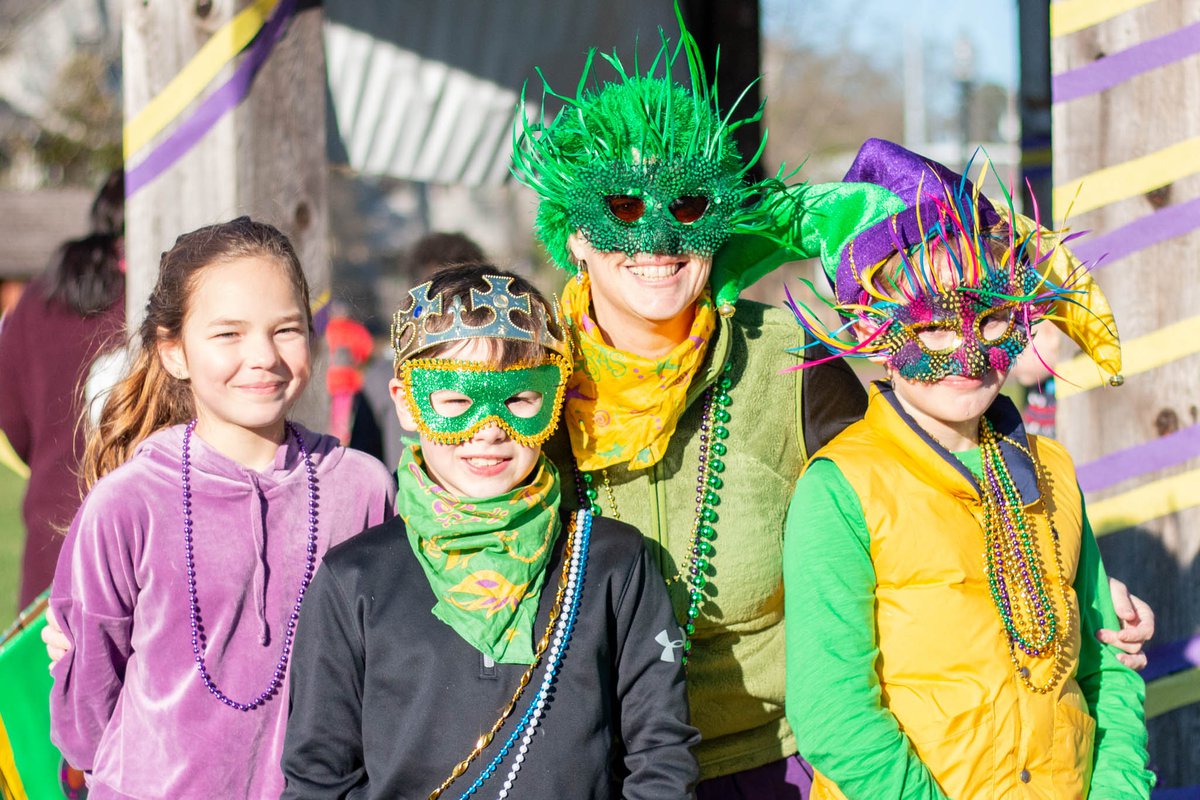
[1115, 693]
[833, 694]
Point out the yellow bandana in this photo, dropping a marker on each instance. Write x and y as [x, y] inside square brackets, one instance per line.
[621, 407]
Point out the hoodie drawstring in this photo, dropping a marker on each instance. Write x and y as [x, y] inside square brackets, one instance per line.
[259, 586]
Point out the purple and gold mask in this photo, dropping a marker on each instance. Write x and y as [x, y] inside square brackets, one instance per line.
[962, 332]
[945, 282]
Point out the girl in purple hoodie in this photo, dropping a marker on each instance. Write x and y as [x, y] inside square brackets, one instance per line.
[182, 575]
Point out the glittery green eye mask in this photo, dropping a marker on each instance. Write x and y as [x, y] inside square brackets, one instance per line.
[658, 207]
[493, 397]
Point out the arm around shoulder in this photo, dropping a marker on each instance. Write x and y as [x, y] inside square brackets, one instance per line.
[1115, 693]
[93, 596]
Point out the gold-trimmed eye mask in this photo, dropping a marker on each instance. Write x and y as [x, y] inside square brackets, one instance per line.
[490, 392]
[954, 333]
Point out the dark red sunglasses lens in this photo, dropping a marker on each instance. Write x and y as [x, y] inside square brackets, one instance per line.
[626, 208]
[689, 208]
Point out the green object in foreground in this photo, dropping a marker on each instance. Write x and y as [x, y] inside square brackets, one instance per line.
[12, 543]
[25, 702]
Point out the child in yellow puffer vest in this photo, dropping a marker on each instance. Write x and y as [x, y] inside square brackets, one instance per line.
[943, 598]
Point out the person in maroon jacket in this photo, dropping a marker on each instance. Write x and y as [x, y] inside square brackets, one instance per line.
[64, 319]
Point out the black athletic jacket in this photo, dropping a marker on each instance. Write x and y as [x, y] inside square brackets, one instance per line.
[386, 699]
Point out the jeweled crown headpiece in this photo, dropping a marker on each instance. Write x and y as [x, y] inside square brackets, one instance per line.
[411, 333]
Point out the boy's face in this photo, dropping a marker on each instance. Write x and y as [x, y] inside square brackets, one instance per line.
[945, 328]
[951, 351]
[949, 404]
[489, 462]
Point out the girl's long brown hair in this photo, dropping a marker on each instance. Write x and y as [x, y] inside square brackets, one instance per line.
[149, 398]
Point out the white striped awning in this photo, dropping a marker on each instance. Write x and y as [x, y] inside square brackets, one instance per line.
[427, 90]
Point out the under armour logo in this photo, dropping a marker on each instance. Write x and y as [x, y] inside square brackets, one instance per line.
[669, 644]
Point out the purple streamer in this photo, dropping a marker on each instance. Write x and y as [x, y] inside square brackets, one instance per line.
[1159, 226]
[1107, 72]
[1167, 451]
[321, 319]
[213, 107]
[1167, 659]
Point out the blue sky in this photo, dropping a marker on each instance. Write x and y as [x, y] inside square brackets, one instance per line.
[869, 26]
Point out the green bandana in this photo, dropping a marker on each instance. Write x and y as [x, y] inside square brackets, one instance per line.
[489, 390]
[485, 559]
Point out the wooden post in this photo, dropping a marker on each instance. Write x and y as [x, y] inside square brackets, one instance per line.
[733, 27]
[264, 158]
[1112, 109]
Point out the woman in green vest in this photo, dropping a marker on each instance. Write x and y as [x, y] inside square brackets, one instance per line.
[677, 417]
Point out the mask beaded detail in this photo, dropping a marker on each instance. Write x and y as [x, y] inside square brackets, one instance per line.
[489, 390]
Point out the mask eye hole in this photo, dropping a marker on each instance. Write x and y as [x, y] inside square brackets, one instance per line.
[626, 207]
[937, 339]
[449, 404]
[995, 324]
[524, 404]
[689, 208]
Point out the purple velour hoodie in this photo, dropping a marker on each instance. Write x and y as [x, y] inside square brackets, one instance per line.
[128, 704]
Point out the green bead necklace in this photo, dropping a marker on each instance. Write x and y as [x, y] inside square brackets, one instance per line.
[709, 482]
[1016, 571]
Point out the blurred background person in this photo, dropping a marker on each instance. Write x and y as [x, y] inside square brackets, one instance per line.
[66, 316]
[1034, 373]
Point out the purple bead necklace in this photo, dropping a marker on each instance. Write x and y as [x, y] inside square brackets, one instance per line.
[709, 482]
[189, 560]
[1018, 580]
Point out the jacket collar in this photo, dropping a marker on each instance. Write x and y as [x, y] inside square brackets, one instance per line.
[884, 412]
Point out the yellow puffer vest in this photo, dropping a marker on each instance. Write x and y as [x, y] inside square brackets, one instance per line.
[944, 664]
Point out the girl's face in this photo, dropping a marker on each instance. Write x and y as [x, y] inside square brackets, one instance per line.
[489, 463]
[244, 348]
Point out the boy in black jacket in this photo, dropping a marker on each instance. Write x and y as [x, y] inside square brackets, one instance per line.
[485, 641]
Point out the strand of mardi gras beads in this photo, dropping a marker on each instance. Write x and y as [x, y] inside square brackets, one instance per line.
[483, 741]
[1016, 572]
[194, 616]
[709, 482]
[582, 522]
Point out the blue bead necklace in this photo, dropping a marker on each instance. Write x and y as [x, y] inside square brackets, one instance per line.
[529, 721]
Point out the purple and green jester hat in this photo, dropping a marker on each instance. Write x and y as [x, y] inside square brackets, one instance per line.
[645, 162]
[964, 312]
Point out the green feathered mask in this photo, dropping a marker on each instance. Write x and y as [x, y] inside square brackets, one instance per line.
[645, 164]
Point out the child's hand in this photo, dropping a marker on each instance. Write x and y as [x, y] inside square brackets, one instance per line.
[1137, 626]
[56, 641]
